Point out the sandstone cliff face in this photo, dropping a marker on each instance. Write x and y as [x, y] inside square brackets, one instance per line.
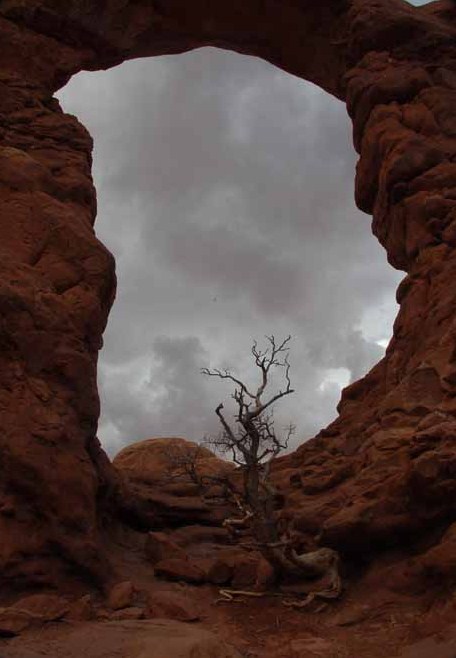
[392, 448]
[56, 287]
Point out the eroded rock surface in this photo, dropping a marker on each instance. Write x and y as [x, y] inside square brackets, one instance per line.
[385, 470]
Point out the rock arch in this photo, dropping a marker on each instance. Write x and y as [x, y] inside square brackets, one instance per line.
[394, 65]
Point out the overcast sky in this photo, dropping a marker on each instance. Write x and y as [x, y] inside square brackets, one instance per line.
[225, 191]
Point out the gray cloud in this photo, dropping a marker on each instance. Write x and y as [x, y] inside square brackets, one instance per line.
[226, 194]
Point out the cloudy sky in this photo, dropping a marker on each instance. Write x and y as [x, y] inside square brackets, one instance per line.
[225, 191]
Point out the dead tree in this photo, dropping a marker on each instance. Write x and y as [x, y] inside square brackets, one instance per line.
[252, 440]
[253, 444]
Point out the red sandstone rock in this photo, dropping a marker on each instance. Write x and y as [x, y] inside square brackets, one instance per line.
[198, 534]
[433, 647]
[372, 480]
[172, 605]
[82, 609]
[128, 613]
[49, 607]
[34, 610]
[180, 570]
[220, 572]
[311, 647]
[245, 571]
[160, 547]
[438, 564]
[264, 576]
[13, 622]
[121, 596]
[159, 492]
[155, 461]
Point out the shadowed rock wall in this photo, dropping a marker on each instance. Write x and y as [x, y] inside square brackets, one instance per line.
[395, 65]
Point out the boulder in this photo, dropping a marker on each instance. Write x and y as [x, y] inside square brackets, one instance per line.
[245, 571]
[173, 605]
[82, 609]
[220, 572]
[121, 595]
[157, 491]
[158, 461]
[180, 570]
[13, 622]
[132, 612]
[48, 607]
[33, 610]
[160, 547]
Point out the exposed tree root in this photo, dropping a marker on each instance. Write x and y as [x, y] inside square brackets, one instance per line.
[323, 562]
[229, 594]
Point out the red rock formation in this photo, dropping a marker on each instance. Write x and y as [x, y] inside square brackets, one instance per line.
[57, 284]
[155, 461]
[156, 491]
[388, 462]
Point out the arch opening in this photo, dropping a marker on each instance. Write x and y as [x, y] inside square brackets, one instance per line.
[213, 171]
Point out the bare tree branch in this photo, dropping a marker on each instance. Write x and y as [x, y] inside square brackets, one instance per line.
[253, 442]
[226, 375]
